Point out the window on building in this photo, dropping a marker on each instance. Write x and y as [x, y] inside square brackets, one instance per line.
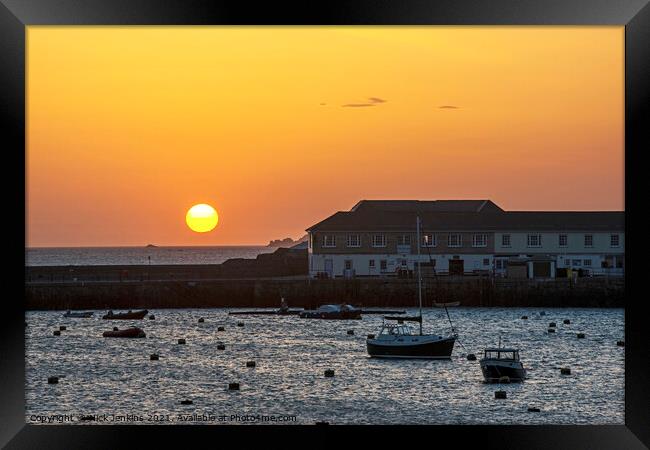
[354, 240]
[329, 240]
[429, 240]
[534, 240]
[379, 240]
[563, 240]
[371, 263]
[577, 262]
[348, 264]
[479, 240]
[403, 262]
[455, 240]
[505, 240]
[383, 265]
[619, 263]
[589, 240]
[404, 239]
[614, 240]
[498, 263]
[486, 261]
[567, 262]
[587, 262]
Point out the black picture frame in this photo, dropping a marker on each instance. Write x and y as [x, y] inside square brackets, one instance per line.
[15, 15]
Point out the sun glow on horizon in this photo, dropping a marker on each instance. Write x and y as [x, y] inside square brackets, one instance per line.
[127, 127]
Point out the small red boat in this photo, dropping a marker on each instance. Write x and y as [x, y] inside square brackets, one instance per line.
[131, 315]
[133, 332]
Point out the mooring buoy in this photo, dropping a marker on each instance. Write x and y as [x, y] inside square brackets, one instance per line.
[152, 317]
[57, 333]
[371, 336]
[186, 402]
[551, 325]
[524, 317]
[620, 343]
[201, 320]
[329, 373]
[542, 313]
[181, 341]
[350, 332]
[240, 324]
[565, 371]
[581, 335]
[531, 409]
[500, 394]
[233, 386]
[62, 328]
[471, 357]
[52, 380]
[250, 363]
[221, 329]
[566, 322]
[551, 330]
[221, 347]
[154, 357]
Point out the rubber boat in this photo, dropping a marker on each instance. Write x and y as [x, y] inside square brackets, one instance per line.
[133, 332]
[131, 315]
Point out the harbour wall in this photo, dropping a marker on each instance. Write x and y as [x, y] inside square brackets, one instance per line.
[300, 291]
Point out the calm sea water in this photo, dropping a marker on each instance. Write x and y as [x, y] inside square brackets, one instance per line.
[93, 256]
[115, 376]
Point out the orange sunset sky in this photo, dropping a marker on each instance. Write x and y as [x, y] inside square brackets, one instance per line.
[279, 127]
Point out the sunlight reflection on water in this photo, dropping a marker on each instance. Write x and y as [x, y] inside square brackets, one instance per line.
[115, 376]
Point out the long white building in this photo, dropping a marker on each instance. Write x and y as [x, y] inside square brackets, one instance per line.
[378, 238]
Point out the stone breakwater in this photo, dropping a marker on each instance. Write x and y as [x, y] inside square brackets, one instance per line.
[183, 291]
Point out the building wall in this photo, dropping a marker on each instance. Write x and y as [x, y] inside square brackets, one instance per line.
[574, 255]
[392, 247]
[550, 243]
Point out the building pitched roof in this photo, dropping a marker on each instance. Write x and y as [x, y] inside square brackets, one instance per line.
[464, 215]
[426, 205]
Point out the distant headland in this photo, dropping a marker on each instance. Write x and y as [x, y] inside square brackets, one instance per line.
[286, 242]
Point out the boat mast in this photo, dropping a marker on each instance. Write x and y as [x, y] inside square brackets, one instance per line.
[419, 273]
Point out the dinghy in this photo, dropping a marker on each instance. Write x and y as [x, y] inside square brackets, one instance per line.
[133, 332]
[131, 315]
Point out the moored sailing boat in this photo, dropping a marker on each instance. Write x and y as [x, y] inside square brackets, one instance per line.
[398, 340]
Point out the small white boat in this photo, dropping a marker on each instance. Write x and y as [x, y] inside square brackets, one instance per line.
[333, 312]
[79, 314]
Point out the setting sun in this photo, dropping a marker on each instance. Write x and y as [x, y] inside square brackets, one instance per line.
[202, 218]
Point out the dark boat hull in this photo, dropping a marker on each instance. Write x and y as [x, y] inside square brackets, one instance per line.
[493, 372]
[79, 315]
[127, 333]
[440, 349]
[136, 315]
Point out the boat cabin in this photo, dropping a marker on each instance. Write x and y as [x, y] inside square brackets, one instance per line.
[509, 354]
[392, 329]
